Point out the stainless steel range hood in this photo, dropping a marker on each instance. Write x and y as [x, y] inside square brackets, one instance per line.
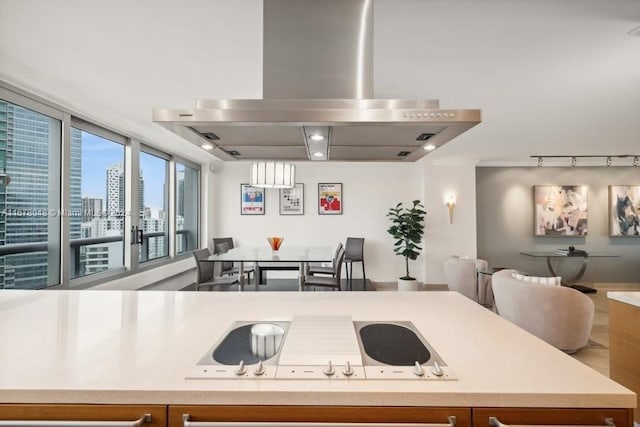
[317, 80]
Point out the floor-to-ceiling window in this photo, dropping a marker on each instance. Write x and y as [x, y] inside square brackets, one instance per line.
[67, 189]
[187, 207]
[97, 200]
[30, 143]
[153, 201]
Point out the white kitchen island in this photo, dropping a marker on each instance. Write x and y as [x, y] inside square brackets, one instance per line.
[136, 348]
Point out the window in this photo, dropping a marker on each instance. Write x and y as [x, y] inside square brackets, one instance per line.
[74, 198]
[154, 204]
[29, 198]
[97, 202]
[187, 192]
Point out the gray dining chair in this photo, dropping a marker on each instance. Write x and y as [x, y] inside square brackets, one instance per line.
[354, 252]
[329, 282]
[222, 245]
[204, 272]
[326, 270]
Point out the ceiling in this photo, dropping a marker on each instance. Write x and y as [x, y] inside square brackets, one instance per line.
[552, 77]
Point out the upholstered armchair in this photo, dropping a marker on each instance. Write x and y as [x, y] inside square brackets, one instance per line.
[559, 315]
[462, 276]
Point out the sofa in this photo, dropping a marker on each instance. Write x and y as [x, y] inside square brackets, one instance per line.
[559, 315]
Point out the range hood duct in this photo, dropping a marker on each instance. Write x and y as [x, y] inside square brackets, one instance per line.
[317, 74]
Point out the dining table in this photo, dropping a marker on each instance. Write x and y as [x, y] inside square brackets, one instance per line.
[302, 255]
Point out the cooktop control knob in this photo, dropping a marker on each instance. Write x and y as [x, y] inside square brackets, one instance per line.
[259, 369]
[347, 371]
[329, 371]
[436, 370]
[241, 370]
[417, 369]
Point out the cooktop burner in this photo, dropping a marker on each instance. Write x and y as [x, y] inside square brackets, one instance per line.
[393, 344]
[322, 347]
[235, 347]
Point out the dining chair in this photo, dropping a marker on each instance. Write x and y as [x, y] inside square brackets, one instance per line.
[204, 272]
[329, 282]
[326, 270]
[222, 245]
[354, 252]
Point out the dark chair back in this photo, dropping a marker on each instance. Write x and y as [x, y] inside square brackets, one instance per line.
[222, 245]
[337, 266]
[204, 270]
[335, 256]
[354, 249]
[219, 240]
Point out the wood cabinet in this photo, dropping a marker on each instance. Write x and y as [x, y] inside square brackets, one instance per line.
[552, 416]
[61, 412]
[315, 414]
[624, 346]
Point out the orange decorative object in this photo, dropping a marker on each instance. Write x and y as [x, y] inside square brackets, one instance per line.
[275, 242]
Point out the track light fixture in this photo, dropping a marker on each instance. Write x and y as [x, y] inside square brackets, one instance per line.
[608, 159]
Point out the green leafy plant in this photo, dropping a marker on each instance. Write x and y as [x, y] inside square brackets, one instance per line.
[407, 228]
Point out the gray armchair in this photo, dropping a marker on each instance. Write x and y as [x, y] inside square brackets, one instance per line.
[559, 315]
[462, 276]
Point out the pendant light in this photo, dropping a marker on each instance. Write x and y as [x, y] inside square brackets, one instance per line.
[272, 175]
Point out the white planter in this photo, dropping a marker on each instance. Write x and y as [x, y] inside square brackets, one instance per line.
[407, 285]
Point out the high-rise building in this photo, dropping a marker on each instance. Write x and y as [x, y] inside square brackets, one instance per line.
[157, 245]
[180, 193]
[116, 192]
[76, 184]
[26, 148]
[91, 208]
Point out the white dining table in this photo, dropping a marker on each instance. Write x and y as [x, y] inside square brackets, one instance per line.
[259, 254]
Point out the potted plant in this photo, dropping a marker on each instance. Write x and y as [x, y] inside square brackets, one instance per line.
[407, 229]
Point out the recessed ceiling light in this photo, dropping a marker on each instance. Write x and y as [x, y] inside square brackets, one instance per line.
[316, 137]
[429, 147]
[207, 146]
[318, 154]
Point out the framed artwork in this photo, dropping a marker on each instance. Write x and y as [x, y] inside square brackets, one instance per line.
[560, 210]
[624, 210]
[251, 200]
[292, 200]
[330, 199]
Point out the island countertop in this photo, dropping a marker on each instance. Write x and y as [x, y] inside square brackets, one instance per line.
[632, 298]
[128, 347]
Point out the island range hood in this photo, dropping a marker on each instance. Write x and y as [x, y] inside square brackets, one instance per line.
[318, 97]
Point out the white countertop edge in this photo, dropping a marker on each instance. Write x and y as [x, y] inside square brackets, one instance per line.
[632, 298]
[311, 398]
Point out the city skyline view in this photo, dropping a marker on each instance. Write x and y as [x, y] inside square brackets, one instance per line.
[98, 156]
[30, 185]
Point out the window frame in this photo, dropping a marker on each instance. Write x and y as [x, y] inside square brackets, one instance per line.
[56, 236]
[60, 241]
[198, 168]
[83, 125]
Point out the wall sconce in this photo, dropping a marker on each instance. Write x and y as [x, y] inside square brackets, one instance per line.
[451, 203]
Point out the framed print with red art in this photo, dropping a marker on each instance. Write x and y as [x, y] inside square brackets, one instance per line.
[330, 199]
[251, 200]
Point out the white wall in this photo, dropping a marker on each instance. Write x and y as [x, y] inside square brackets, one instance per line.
[442, 238]
[369, 190]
